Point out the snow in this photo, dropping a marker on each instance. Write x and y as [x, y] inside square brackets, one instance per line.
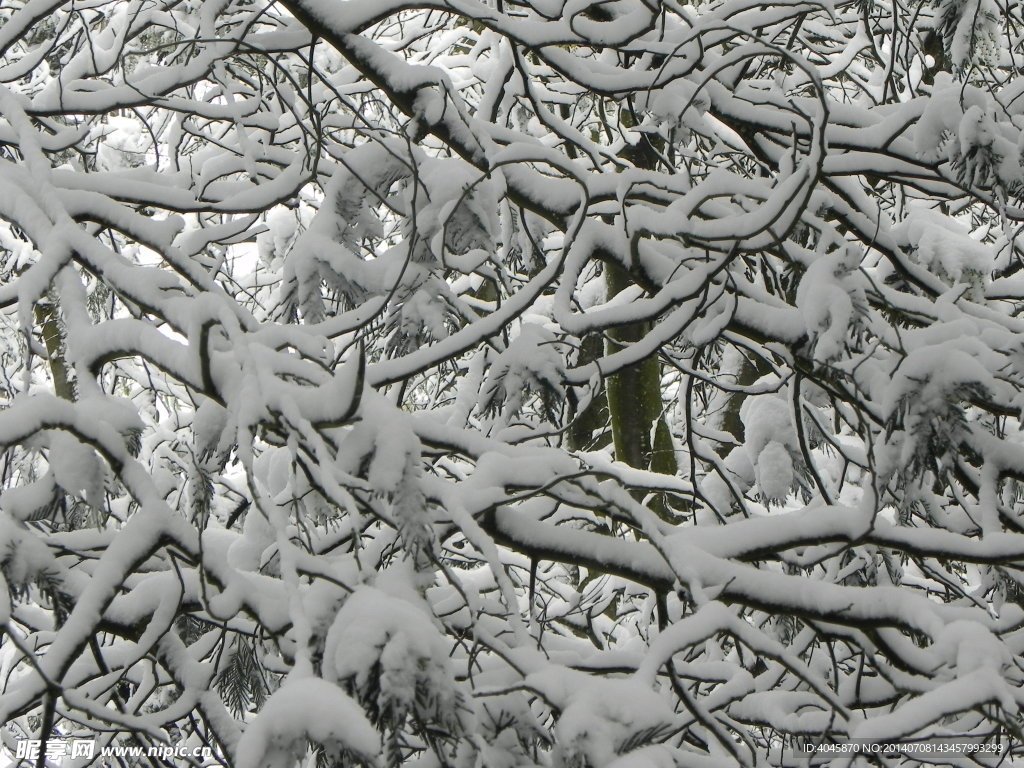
[976, 34]
[967, 646]
[974, 689]
[766, 419]
[944, 246]
[774, 471]
[25, 556]
[76, 468]
[826, 297]
[531, 362]
[599, 717]
[301, 710]
[769, 446]
[680, 106]
[340, 311]
[374, 626]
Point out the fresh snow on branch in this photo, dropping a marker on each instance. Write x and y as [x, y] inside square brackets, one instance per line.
[511, 383]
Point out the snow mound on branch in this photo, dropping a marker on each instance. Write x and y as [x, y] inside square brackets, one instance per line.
[972, 30]
[941, 117]
[966, 126]
[679, 106]
[301, 710]
[389, 650]
[23, 556]
[77, 468]
[212, 440]
[530, 363]
[385, 447]
[25, 502]
[771, 443]
[608, 718]
[766, 419]
[462, 212]
[826, 298]
[121, 143]
[968, 646]
[945, 247]
[774, 472]
[282, 229]
[372, 622]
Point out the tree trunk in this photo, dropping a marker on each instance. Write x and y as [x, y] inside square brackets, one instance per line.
[639, 430]
[53, 338]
